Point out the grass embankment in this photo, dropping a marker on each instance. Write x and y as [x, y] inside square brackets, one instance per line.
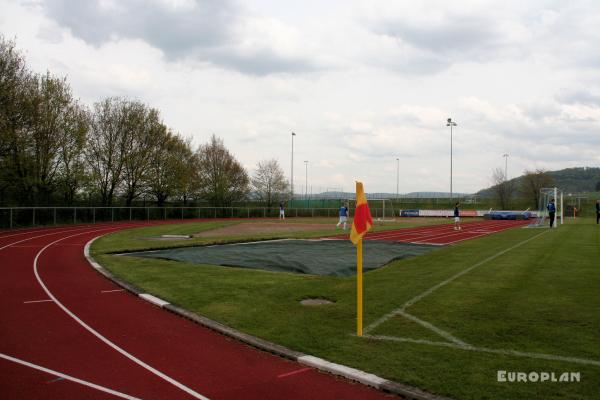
[540, 297]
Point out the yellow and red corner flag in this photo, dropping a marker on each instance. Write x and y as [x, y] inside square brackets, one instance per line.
[361, 224]
[362, 216]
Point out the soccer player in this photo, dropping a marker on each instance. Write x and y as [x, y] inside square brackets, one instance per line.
[281, 210]
[457, 226]
[551, 212]
[597, 211]
[343, 216]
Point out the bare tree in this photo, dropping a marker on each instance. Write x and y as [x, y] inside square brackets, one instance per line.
[503, 189]
[106, 148]
[224, 180]
[269, 182]
[142, 130]
[531, 184]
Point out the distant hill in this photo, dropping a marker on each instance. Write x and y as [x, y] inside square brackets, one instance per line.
[570, 180]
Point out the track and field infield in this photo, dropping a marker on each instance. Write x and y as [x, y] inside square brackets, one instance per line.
[519, 300]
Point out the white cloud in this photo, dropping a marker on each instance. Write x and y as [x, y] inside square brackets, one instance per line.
[361, 83]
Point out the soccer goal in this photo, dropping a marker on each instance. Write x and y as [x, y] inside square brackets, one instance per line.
[383, 210]
[546, 195]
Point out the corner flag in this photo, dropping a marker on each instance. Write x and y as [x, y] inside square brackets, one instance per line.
[362, 216]
[361, 224]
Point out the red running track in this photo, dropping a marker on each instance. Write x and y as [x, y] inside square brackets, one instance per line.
[445, 234]
[68, 333]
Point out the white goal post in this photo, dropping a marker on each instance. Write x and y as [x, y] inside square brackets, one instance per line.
[383, 210]
[547, 194]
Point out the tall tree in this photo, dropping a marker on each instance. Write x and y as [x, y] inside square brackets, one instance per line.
[107, 147]
[269, 182]
[168, 164]
[72, 170]
[531, 184]
[49, 133]
[142, 129]
[503, 189]
[224, 180]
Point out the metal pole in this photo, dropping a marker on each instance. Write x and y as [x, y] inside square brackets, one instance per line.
[112, 215]
[148, 214]
[94, 214]
[11, 219]
[306, 181]
[130, 213]
[292, 172]
[54, 215]
[33, 224]
[450, 162]
[397, 176]
[74, 215]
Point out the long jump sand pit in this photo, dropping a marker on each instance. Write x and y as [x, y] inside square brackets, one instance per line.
[246, 228]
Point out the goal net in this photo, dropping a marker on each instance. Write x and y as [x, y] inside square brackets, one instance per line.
[382, 210]
[546, 196]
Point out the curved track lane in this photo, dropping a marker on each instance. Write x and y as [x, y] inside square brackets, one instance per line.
[68, 333]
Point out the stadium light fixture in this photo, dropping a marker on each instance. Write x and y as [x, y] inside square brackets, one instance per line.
[451, 124]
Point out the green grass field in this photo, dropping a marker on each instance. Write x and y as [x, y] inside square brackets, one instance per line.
[522, 300]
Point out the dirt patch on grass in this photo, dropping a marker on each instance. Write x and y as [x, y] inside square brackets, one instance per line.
[262, 227]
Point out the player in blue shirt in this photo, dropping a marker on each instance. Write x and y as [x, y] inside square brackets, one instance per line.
[344, 212]
[551, 211]
[457, 226]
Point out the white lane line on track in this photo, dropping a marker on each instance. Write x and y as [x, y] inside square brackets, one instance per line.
[37, 301]
[98, 334]
[431, 231]
[68, 377]
[432, 289]
[112, 291]
[39, 236]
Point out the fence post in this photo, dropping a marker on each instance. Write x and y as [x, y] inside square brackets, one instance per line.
[165, 212]
[93, 215]
[215, 212]
[74, 215]
[11, 223]
[112, 215]
[181, 212]
[33, 217]
[130, 213]
[248, 209]
[264, 212]
[54, 215]
[147, 214]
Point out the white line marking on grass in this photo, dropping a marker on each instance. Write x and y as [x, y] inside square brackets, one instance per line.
[98, 334]
[112, 291]
[444, 283]
[37, 301]
[435, 329]
[68, 377]
[504, 352]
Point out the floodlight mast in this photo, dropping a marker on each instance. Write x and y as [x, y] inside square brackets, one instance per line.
[505, 155]
[451, 124]
[292, 172]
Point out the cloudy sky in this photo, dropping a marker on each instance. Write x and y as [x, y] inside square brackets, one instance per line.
[362, 83]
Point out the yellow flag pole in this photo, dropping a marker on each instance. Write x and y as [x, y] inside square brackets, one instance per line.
[359, 289]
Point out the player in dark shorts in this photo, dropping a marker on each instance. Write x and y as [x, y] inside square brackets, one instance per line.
[551, 212]
[457, 226]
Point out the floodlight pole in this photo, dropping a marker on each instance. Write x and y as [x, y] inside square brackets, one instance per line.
[306, 181]
[397, 176]
[292, 173]
[451, 124]
[505, 155]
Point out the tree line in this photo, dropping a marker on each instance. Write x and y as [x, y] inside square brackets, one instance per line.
[55, 150]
